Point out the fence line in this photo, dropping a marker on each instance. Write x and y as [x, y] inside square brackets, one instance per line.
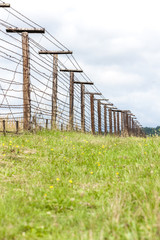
[47, 88]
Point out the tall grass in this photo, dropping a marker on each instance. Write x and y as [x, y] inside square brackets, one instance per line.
[73, 186]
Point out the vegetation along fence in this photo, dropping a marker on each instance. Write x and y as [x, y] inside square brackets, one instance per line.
[46, 88]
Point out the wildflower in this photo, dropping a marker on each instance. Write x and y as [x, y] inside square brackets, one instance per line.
[91, 172]
[17, 146]
[115, 144]
[22, 145]
[44, 140]
[102, 146]
[57, 179]
[51, 149]
[10, 144]
[51, 187]
[70, 181]
[98, 164]
[82, 153]
[99, 153]
[4, 155]
[145, 153]
[45, 195]
[3, 144]
[117, 173]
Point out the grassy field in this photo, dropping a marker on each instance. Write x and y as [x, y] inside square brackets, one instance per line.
[72, 186]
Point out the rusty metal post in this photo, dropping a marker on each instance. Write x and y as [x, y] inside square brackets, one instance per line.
[115, 129]
[82, 108]
[17, 127]
[129, 125]
[71, 101]
[4, 127]
[122, 123]
[26, 82]
[118, 128]
[105, 119]
[133, 127]
[46, 123]
[126, 124]
[54, 91]
[99, 116]
[92, 113]
[110, 121]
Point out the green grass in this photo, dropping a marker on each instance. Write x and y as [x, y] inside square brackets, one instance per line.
[72, 186]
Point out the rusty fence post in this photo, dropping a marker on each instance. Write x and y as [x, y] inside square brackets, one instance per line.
[17, 127]
[4, 127]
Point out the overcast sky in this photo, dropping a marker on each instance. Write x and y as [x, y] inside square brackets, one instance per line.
[116, 42]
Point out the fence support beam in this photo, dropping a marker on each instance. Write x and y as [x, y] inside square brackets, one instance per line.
[55, 83]
[99, 117]
[54, 91]
[92, 109]
[4, 127]
[26, 73]
[17, 127]
[26, 82]
[83, 102]
[71, 97]
[92, 113]
[115, 127]
[122, 123]
[110, 121]
[118, 128]
[71, 100]
[105, 119]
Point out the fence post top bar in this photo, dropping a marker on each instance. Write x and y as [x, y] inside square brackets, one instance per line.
[89, 83]
[21, 30]
[4, 5]
[70, 70]
[93, 93]
[107, 104]
[102, 99]
[55, 52]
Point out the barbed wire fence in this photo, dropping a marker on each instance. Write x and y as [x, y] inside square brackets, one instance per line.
[46, 87]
